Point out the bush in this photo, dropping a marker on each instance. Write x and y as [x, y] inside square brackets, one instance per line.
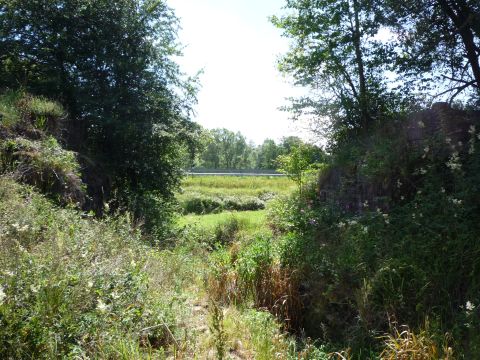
[46, 165]
[409, 260]
[205, 204]
[70, 286]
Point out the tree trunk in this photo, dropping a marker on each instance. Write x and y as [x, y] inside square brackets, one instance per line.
[363, 100]
[462, 21]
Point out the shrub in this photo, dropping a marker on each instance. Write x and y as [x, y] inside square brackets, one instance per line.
[46, 165]
[69, 285]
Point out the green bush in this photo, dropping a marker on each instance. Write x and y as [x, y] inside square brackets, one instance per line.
[205, 204]
[70, 286]
[415, 258]
[44, 164]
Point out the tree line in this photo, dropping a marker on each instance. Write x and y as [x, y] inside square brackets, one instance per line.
[225, 149]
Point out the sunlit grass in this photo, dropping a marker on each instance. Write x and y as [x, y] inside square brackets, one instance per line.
[251, 221]
[238, 185]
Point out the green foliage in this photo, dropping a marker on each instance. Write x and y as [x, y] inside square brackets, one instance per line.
[213, 194]
[110, 64]
[9, 113]
[398, 263]
[302, 159]
[70, 286]
[227, 150]
[439, 36]
[217, 329]
[201, 204]
[44, 164]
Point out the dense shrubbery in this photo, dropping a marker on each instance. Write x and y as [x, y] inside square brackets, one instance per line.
[411, 261]
[71, 287]
[204, 204]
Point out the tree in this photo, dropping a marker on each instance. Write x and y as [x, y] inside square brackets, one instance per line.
[267, 154]
[439, 41]
[335, 53]
[109, 62]
[302, 159]
[226, 149]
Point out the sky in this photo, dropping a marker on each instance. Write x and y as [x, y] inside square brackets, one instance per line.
[237, 48]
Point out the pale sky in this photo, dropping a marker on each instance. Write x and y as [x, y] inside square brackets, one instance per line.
[237, 47]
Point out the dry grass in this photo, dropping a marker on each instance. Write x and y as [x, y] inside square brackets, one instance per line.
[274, 290]
[405, 345]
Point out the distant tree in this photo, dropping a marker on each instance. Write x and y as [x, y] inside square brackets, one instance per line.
[267, 154]
[226, 149]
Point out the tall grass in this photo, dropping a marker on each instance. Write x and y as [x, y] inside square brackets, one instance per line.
[238, 185]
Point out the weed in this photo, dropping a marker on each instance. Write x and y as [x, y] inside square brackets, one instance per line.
[406, 345]
[217, 329]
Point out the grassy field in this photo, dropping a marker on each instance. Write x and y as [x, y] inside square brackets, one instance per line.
[250, 221]
[214, 194]
[238, 185]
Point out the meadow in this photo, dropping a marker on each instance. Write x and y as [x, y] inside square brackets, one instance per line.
[214, 194]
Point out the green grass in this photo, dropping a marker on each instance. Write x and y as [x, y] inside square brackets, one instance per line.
[238, 185]
[213, 194]
[250, 221]
[9, 113]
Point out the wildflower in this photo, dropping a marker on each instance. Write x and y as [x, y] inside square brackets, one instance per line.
[456, 201]
[352, 222]
[426, 149]
[402, 197]
[419, 192]
[34, 289]
[448, 140]
[471, 130]
[341, 224]
[115, 295]
[8, 273]
[365, 229]
[101, 306]
[469, 306]
[385, 216]
[421, 124]
[399, 183]
[413, 215]
[423, 171]
[133, 263]
[454, 162]
[365, 204]
[2, 295]
[387, 221]
[421, 215]
[442, 190]
[90, 284]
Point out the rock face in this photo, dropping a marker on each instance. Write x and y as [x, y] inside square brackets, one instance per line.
[441, 120]
[353, 192]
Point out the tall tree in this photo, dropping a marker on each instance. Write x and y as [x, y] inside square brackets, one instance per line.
[439, 41]
[335, 53]
[226, 149]
[110, 63]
